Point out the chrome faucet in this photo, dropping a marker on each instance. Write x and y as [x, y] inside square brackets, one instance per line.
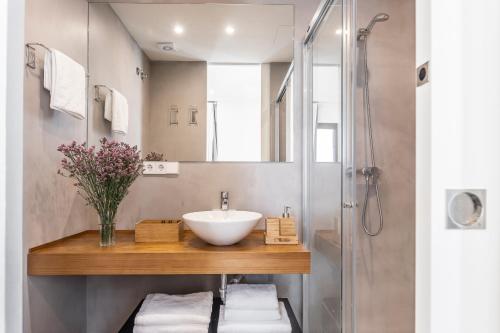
[224, 200]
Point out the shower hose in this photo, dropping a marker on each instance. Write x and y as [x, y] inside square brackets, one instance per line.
[370, 173]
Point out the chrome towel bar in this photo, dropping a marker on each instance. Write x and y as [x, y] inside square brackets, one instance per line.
[96, 91]
[31, 53]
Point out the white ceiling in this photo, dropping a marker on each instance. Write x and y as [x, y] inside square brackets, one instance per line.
[263, 33]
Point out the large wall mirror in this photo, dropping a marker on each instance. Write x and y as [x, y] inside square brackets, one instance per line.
[193, 82]
[327, 88]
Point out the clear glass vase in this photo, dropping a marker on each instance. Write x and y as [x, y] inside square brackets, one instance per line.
[106, 233]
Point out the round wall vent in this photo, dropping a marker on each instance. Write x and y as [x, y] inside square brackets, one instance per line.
[166, 46]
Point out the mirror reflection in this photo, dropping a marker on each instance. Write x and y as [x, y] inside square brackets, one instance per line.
[327, 92]
[193, 82]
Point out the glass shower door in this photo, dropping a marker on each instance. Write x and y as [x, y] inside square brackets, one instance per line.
[328, 177]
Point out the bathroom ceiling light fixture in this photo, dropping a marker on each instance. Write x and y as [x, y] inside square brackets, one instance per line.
[166, 46]
[230, 30]
[338, 31]
[178, 29]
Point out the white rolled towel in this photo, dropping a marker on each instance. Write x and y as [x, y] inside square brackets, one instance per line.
[248, 315]
[163, 309]
[270, 326]
[252, 297]
[193, 328]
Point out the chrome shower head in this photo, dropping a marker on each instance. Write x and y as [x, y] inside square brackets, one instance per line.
[364, 32]
[382, 17]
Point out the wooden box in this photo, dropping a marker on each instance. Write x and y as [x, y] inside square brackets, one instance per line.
[155, 231]
[287, 227]
[273, 240]
[273, 225]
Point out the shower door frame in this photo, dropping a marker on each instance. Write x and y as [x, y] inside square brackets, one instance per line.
[348, 178]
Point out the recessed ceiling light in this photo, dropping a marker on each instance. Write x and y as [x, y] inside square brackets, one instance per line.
[229, 30]
[338, 31]
[178, 29]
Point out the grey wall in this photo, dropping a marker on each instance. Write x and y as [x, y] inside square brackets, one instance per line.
[52, 208]
[385, 264]
[184, 84]
[113, 58]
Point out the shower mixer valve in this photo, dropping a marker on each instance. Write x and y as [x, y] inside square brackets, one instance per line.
[371, 172]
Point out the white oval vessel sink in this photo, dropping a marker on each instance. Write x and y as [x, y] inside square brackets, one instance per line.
[222, 227]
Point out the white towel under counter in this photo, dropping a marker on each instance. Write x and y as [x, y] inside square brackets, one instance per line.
[175, 310]
[171, 329]
[256, 315]
[252, 297]
[271, 326]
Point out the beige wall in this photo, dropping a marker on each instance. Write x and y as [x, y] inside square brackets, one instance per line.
[113, 58]
[385, 264]
[52, 208]
[184, 84]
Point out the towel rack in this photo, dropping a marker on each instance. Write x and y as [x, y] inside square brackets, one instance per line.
[31, 53]
[96, 91]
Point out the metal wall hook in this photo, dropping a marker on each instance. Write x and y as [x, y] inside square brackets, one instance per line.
[141, 73]
[193, 118]
[174, 115]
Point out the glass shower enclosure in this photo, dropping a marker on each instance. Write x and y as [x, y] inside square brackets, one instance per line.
[329, 160]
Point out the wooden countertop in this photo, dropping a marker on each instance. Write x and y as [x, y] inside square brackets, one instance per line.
[81, 254]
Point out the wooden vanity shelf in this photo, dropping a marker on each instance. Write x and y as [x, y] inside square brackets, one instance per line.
[80, 254]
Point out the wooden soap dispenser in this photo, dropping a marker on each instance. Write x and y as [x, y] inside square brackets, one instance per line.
[281, 230]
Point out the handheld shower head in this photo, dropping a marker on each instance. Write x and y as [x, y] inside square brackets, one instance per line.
[382, 17]
[364, 32]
